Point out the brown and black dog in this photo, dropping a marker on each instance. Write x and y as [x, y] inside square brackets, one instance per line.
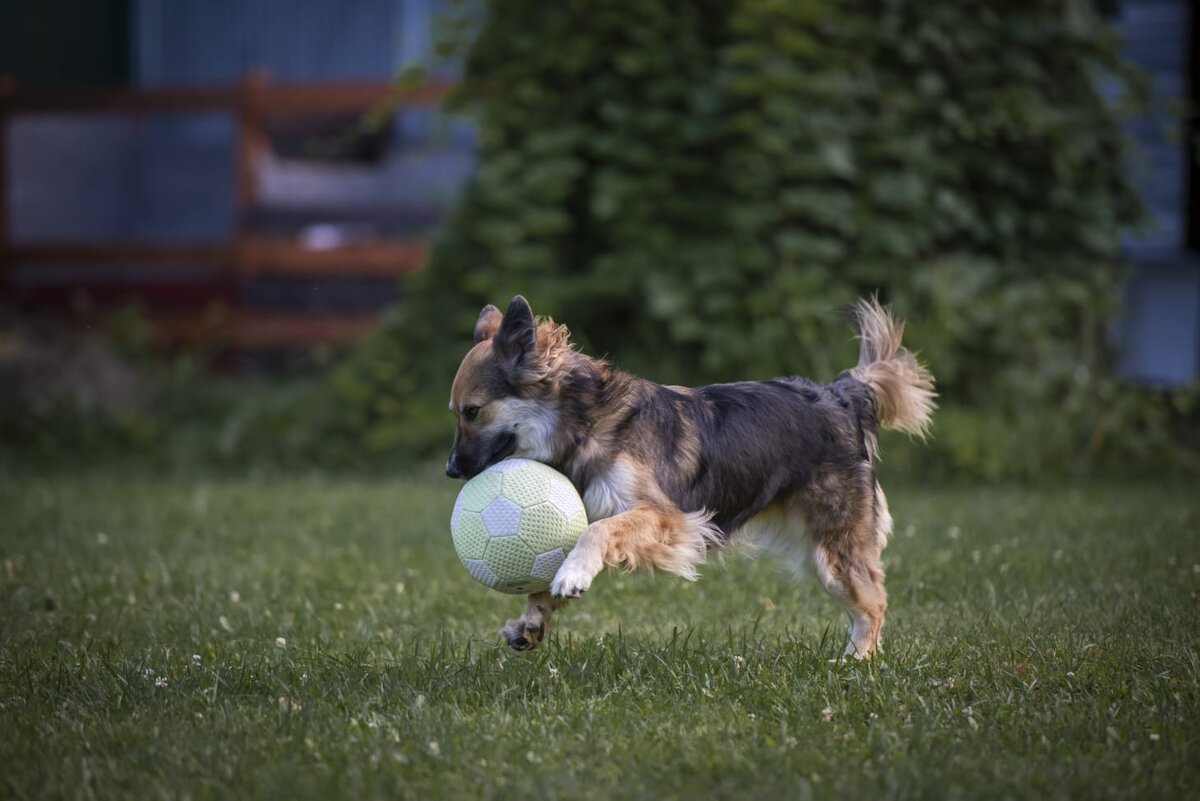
[667, 472]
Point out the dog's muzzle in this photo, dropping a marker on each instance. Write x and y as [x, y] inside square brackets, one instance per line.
[467, 462]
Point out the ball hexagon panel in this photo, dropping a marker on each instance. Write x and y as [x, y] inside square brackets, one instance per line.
[501, 517]
[477, 493]
[542, 527]
[469, 534]
[562, 494]
[545, 565]
[481, 572]
[509, 558]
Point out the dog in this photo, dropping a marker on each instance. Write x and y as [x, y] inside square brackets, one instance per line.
[668, 473]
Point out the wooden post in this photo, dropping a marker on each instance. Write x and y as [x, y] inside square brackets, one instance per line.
[251, 144]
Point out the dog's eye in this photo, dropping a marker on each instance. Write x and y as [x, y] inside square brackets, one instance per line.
[469, 413]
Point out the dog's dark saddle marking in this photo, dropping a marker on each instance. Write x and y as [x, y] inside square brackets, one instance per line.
[758, 440]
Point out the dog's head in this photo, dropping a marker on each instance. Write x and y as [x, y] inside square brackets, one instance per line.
[504, 395]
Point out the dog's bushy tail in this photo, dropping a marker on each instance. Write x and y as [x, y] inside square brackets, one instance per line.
[902, 386]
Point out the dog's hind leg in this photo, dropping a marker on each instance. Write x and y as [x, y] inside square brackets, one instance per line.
[527, 632]
[856, 582]
[654, 536]
[847, 547]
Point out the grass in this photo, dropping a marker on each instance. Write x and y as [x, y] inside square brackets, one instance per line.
[1041, 644]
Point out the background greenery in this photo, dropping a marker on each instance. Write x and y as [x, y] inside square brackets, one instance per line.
[700, 189]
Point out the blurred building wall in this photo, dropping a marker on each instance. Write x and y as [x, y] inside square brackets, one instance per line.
[103, 178]
[1159, 338]
[217, 41]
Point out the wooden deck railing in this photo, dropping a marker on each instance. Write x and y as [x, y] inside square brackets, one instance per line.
[254, 103]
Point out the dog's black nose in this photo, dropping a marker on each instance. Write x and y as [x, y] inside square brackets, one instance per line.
[452, 468]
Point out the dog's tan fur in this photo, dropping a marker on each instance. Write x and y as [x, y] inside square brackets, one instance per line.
[668, 473]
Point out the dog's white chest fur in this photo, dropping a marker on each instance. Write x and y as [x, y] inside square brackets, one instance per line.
[611, 493]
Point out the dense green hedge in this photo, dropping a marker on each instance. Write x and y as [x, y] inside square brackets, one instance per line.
[698, 188]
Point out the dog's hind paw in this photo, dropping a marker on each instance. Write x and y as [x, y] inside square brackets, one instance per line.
[523, 636]
[525, 633]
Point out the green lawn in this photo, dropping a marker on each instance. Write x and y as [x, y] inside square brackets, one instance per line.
[317, 638]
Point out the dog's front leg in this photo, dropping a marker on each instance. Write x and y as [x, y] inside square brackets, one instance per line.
[583, 563]
[648, 535]
[527, 632]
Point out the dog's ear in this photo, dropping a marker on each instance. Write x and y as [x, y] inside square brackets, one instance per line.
[517, 336]
[487, 324]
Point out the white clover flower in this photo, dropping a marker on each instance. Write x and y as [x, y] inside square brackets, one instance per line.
[280, 642]
[235, 596]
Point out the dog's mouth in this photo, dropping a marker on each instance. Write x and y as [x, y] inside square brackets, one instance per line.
[505, 446]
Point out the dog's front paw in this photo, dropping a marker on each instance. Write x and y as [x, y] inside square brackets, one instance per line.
[575, 576]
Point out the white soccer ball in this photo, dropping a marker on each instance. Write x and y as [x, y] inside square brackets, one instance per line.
[515, 523]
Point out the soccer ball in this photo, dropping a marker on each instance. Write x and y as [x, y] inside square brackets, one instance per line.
[515, 523]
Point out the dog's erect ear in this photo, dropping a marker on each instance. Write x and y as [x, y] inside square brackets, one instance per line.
[516, 338]
[487, 324]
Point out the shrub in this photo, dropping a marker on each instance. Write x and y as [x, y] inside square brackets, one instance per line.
[697, 188]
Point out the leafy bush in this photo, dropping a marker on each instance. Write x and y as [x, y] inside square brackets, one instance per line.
[697, 188]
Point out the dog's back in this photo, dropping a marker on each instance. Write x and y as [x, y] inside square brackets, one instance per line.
[763, 440]
[760, 440]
